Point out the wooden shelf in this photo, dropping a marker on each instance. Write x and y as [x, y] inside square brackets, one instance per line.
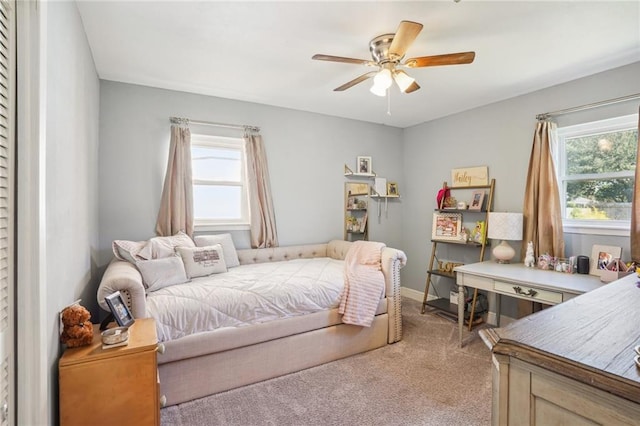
[442, 273]
[461, 243]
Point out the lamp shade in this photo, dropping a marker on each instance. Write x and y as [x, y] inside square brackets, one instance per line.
[505, 226]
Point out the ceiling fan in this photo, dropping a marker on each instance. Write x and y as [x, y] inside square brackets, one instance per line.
[387, 51]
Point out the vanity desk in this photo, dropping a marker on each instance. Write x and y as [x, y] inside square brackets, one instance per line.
[572, 363]
[518, 281]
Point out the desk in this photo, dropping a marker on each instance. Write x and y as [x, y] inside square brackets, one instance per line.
[516, 280]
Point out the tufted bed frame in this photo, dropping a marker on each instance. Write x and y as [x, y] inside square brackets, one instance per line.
[206, 363]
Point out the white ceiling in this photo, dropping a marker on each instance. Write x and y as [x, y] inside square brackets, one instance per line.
[261, 51]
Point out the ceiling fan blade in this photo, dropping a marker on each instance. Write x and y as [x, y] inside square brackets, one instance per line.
[448, 59]
[404, 37]
[414, 86]
[330, 58]
[355, 81]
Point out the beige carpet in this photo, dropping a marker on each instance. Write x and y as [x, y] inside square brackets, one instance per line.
[425, 379]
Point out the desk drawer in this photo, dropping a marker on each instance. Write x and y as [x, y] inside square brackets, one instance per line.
[528, 293]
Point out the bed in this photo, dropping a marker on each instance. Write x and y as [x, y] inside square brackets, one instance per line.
[276, 311]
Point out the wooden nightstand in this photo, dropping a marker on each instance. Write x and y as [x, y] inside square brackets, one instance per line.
[116, 386]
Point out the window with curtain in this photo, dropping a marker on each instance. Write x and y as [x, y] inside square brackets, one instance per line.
[595, 163]
[220, 199]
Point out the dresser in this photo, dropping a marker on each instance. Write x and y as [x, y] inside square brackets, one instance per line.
[570, 364]
[114, 386]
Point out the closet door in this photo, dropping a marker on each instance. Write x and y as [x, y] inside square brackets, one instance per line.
[7, 210]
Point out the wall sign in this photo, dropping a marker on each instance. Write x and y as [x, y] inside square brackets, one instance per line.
[470, 176]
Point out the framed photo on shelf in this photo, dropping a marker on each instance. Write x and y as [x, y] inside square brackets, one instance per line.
[446, 226]
[392, 189]
[601, 256]
[119, 309]
[477, 198]
[364, 165]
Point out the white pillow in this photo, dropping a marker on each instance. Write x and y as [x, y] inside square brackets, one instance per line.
[228, 249]
[160, 247]
[160, 273]
[131, 251]
[202, 261]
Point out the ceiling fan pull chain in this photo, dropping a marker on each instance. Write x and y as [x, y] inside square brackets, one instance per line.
[389, 101]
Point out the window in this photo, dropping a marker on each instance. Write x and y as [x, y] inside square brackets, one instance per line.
[596, 164]
[219, 183]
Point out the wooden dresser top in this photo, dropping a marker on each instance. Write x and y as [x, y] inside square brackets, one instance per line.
[590, 338]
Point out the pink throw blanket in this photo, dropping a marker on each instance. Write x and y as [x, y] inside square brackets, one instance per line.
[363, 283]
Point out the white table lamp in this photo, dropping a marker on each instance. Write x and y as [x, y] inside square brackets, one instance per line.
[504, 226]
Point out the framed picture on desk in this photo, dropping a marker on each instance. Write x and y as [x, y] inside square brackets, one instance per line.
[601, 256]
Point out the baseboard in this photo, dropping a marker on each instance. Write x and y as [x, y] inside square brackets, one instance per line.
[412, 294]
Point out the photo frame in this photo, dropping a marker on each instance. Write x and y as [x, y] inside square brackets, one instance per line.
[119, 309]
[392, 189]
[477, 200]
[446, 226]
[601, 256]
[363, 165]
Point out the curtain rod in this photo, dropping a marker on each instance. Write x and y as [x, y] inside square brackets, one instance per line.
[588, 106]
[180, 120]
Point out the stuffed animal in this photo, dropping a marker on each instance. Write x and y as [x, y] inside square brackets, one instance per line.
[529, 259]
[77, 329]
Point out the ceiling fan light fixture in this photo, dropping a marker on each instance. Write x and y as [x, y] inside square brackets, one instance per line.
[403, 80]
[378, 90]
[383, 79]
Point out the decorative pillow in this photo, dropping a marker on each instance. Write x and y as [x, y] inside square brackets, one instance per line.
[160, 273]
[201, 261]
[160, 247]
[131, 251]
[228, 248]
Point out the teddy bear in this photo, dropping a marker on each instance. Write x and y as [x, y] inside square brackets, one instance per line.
[77, 329]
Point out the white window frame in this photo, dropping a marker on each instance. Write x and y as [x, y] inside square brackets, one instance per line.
[585, 226]
[209, 224]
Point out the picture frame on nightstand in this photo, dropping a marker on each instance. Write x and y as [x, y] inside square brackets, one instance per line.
[119, 309]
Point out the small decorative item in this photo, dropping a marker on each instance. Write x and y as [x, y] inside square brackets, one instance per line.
[380, 185]
[450, 203]
[462, 205]
[546, 262]
[464, 234]
[614, 270]
[477, 199]
[77, 328]
[114, 337]
[477, 235]
[529, 258]
[392, 189]
[119, 309]
[442, 194]
[601, 256]
[364, 165]
[446, 226]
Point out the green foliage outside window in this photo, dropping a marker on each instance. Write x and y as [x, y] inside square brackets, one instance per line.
[606, 197]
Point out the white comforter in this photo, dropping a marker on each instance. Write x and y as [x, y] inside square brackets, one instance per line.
[247, 294]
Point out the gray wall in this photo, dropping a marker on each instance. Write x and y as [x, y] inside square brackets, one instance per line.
[498, 136]
[306, 154]
[72, 102]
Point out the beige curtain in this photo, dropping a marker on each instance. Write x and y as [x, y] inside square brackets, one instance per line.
[263, 221]
[176, 205]
[542, 209]
[635, 206]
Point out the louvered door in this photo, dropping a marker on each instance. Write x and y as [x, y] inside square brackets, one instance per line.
[7, 205]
